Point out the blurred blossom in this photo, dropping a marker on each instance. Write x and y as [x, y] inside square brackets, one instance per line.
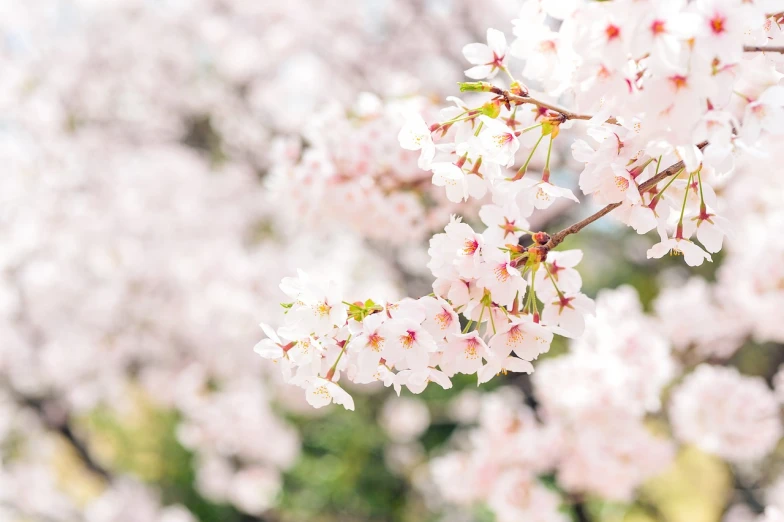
[166, 164]
[404, 419]
[725, 413]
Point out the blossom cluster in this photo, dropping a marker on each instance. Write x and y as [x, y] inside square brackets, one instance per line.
[495, 287]
[596, 421]
[658, 80]
[672, 102]
[371, 188]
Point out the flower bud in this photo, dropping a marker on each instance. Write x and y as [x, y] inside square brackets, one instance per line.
[475, 86]
[491, 109]
[518, 89]
[541, 238]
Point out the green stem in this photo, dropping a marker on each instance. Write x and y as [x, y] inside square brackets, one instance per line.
[468, 325]
[524, 168]
[342, 351]
[679, 230]
[546, 172]
[492, 320]
[533, 290]
[702, 195]
[659, 195]
[552, 279]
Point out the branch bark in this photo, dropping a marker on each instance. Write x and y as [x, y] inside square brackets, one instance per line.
[763, 49]
[559, 237]
[63, 427]
[567, 114]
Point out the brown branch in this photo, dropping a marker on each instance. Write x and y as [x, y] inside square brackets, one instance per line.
[666, 173]
[763, 49]
[558, 238]
[519, 96]
[63, 427]
[567, 114]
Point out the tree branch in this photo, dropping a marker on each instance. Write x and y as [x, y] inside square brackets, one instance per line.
[520, 96]
[63, 427]
[558, 238]
[569, 115]
[763, 49]
[578, 507]
[746, 493]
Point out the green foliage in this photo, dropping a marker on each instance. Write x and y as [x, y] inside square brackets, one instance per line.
[144, 445]
[341, 475]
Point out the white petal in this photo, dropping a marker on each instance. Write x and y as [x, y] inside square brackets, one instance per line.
[478, 53]
[480, 72]
[660, 249]
[268, 349]
[773, 96]
[496, 41]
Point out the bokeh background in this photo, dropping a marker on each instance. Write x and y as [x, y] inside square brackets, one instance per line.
[165, 163]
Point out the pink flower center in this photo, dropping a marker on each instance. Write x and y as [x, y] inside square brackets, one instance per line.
[375, 341]
[408, 340]
[444, 319]
[678, 81]
[471, 346]
[502, 273]
[717, 23]
[612, 31]
[514, 336]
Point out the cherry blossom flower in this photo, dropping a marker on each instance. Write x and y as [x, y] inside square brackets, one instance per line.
[441, 320]
[559, 273]
[464, 353]
[766, 113]
[522, 336]
[460, 186]
[415, 135]
[498, 141]
[321, 392]
[368, 343]
[407, 344]
[486, 58]
[568, 312]
[499, 364]
[692, 253]
[272, 347]
[504, 224]
[500, 277]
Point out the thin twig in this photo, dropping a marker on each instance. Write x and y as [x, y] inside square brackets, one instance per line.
[579, 508]
[666, 173]
[558, 238]
[63, 427]
[567, 114]
[763, 49]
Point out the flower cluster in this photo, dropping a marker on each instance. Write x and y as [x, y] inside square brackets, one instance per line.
[727, 414]
[672, 102]
[596, 421]
[666, 72]
[496, 289]
[372, 188]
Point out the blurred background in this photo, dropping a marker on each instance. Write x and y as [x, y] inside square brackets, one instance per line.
[165, 163]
